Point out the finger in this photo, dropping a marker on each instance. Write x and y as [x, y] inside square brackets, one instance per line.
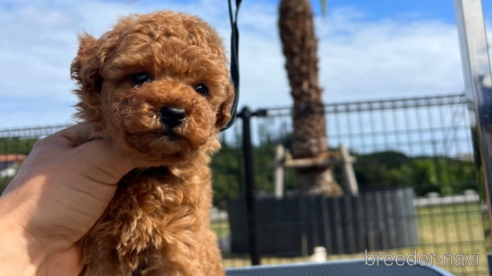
[75, 135]
[69, 137]
[102, 160]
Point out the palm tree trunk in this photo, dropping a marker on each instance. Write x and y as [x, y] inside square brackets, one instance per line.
[309, 138]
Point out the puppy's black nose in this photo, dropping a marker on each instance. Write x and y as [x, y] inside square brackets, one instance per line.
[172, 116]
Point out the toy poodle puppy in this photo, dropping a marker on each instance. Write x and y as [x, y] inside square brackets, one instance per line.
[158, 87]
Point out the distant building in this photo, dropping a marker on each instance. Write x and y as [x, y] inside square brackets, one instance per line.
[10, 163]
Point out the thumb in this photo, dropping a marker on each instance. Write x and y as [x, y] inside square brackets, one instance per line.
[101, 162]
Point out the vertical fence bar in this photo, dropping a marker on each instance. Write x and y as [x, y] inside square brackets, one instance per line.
[478, 83]
[249, 172]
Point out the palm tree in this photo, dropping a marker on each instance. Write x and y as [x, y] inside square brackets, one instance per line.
[300, 46]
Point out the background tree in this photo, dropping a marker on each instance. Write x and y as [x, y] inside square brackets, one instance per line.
[299, 43]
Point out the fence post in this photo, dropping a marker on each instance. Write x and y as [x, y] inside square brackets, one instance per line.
[478, 84]
[246, 115]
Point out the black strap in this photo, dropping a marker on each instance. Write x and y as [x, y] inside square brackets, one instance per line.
[234, 61]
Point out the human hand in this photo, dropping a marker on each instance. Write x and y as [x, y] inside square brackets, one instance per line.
[56, 197]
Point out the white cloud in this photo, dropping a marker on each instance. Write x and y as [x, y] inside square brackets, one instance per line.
[367, 60]
[358, 59]
[488, 26]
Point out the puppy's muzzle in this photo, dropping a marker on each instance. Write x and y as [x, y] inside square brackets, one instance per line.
[172, 116]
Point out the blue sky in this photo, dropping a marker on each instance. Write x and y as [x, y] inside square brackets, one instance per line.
[368, 50]
[428, 9]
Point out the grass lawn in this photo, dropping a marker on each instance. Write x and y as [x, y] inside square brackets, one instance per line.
[221, 229]
[451, 229]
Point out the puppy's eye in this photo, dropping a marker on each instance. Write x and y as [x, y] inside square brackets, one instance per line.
[202, 89]
[140, 78]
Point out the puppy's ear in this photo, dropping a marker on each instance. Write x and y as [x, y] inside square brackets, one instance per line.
[224, 112]
[85, 67]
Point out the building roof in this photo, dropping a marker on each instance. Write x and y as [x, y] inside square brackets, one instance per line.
[12, 157]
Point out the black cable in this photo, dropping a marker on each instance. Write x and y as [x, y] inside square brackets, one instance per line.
[234, 61]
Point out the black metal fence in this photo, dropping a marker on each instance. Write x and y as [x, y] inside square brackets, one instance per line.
[416, 151]
[419, 148]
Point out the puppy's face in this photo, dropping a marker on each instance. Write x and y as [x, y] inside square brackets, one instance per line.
[157, 85]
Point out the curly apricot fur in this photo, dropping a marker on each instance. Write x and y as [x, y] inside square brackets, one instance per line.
[155, 225]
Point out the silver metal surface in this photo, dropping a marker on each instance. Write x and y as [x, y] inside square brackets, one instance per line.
[340, 267]
[478, 84]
